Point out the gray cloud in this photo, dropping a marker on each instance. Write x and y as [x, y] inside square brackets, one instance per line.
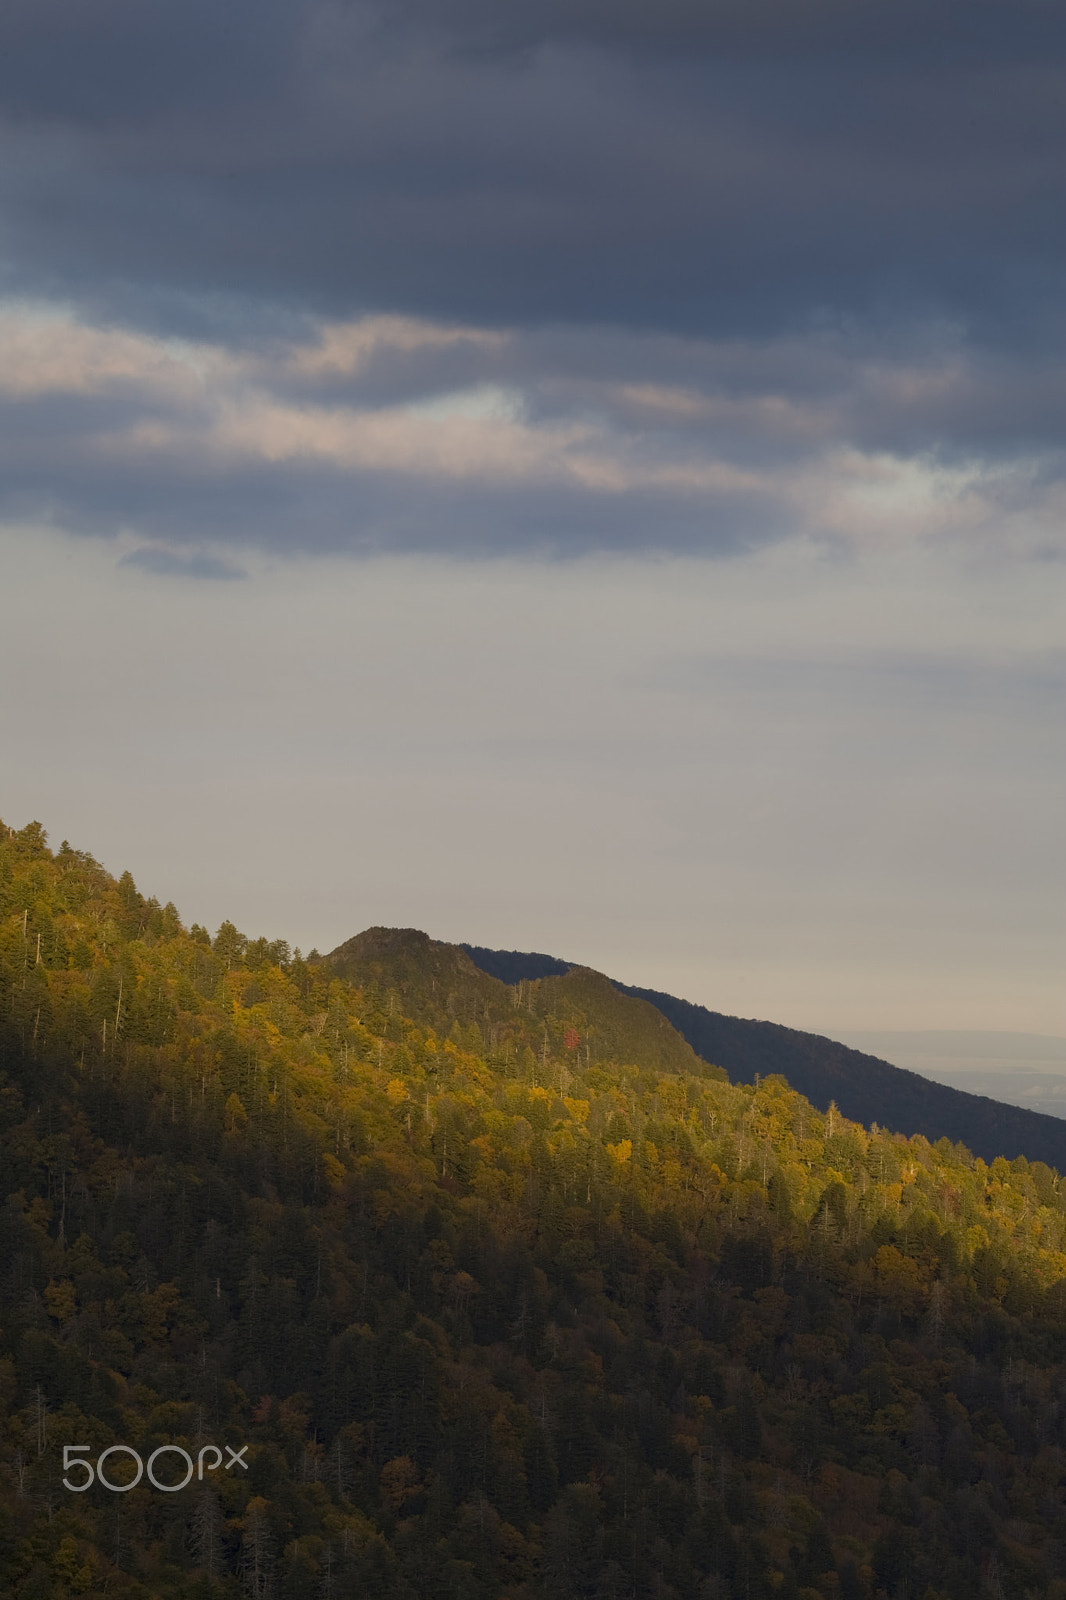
[403, 434]
[511, 164]
[923, 29]
[728, 260]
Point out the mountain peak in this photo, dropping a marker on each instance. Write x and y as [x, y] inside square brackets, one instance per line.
[384, 943]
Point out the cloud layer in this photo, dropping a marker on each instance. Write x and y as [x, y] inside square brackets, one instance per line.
[553, 277]
[394, 433]
[710, 168]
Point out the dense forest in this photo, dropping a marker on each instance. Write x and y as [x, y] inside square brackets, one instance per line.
[506, 1292]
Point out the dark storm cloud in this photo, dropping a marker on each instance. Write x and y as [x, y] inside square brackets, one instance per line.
[703, 167]
[924, 28]
[717, 270]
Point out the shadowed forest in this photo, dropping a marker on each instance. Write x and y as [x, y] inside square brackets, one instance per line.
[507, 1291]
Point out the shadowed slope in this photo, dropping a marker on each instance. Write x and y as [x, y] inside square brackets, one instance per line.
[513, 966]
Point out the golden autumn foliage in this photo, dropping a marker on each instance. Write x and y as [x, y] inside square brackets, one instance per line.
[509, 1293]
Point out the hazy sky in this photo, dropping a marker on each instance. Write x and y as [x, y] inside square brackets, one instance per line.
[586, 477]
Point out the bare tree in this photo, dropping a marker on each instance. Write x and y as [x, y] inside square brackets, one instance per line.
[207, 1532]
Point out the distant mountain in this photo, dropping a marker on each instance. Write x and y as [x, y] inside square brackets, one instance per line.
[567, 1011]
[437, 983]
[1023, 1069]
[865, 1088]
[512, 966]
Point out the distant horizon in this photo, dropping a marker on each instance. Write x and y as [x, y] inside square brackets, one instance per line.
[962, 1038]
[648, 975]
[212, 867]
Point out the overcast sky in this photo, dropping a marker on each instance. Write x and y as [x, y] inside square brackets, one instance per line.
[577, 476]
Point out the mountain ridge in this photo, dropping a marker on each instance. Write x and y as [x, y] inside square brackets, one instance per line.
[572, 1011]
[865, 1088]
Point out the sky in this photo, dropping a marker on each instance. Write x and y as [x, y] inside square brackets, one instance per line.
[579, 477]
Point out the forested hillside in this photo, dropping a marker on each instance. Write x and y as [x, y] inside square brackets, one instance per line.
[577, 1017]
[503, 1301]
[864, 1087]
